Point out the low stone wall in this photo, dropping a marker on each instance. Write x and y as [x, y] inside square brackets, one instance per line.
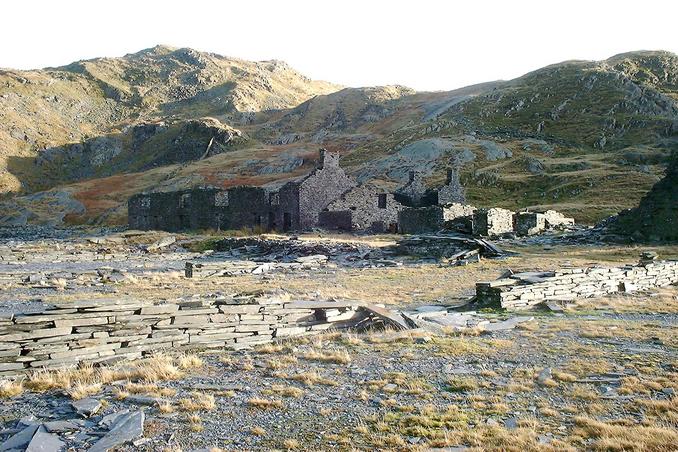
[99, 331]
[523, 290]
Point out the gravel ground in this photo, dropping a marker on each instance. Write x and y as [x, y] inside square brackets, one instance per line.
[614, 362]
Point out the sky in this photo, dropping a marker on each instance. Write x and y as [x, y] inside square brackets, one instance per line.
[423, 44]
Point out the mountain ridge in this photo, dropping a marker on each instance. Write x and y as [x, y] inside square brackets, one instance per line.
[574, 135]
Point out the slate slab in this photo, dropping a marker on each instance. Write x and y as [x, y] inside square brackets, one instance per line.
[86, 407]
[126, 428]
[44, 442]
[20, 440]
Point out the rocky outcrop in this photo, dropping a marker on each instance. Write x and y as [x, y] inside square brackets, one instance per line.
[656, 217]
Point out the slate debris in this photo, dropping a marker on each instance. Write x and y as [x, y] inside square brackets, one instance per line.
[120, 428]
[124, 428]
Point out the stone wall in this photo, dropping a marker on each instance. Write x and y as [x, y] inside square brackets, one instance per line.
[371, 208]
[528, 289]
[419, 220]
[99, 331]
[492, 222]
[452, 191]
[529, 223]
[325, 184]
[415, 194]
[456, 210]
[336, 220]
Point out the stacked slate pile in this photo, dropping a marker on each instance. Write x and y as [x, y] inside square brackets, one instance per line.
[109, 330]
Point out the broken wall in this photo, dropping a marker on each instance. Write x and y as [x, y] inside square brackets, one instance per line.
[518, 291]
[370, 208]
[107, 331]
[325, 184]
[492, 222]
[418, 220]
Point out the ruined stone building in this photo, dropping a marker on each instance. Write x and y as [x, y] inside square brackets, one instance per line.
[415, 194]
[295, 206]
[201, 208]
[361, 208]
[428, 210]
[299, 203]
[529, 223]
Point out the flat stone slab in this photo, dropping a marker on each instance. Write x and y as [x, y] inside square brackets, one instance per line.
[508, 324]
[86, 407]
[60, 426]
[20, 440]
[125, 428]
[44, 442]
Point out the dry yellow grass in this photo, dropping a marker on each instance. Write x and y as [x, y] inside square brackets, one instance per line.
[195, 423]
[291, 444]
[165, 407]
[328, 356]
[563, 376]
[628, 436]
[284, 391]
[81, 390]
[462, 384]
[86, 379]
[311, 378]
[280, 362]
[265, 404]
[120, 394]
[151, 389]
[11, 388]
[189, 361]
[199, 401]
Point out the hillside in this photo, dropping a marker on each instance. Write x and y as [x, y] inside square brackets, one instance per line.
[656, 217]
[46, 112]
[589, 138]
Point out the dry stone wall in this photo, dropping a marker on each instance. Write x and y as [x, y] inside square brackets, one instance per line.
[99, 331]
[492, 222]
[523, 290]
[529, 223]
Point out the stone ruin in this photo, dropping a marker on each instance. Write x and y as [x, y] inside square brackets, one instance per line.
[295, 206]
[364, 207]
[525, 290]
[492, 222]
[329, 199]
[530, 223]
[485, 222]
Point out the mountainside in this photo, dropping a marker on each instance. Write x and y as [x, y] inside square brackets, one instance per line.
[48, 111]
[589, 138]
[656, 217]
